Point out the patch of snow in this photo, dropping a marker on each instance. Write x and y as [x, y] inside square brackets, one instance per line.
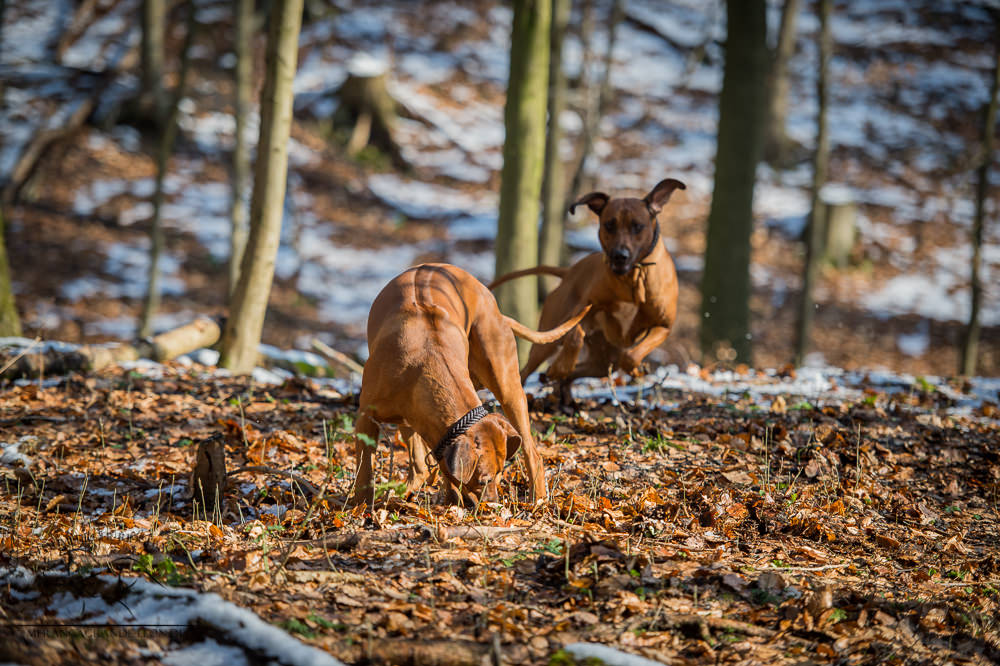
[428, 201]
[206, 653]
[916, 343]
[11, 453]
[607, 655]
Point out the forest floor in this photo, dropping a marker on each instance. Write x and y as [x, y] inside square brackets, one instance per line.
[685, 527]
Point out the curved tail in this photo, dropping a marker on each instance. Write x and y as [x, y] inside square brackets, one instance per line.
[558, 271]
[545, 337]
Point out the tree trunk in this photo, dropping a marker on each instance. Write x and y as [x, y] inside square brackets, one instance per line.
[593, 115]
[550, 241]
[777, 145]
[153, 30]
[151, 304]
[725, 284]
[249, 301]
[821, 158]
[10, 323]
[523, 155]
[241, 154]
[970, 343]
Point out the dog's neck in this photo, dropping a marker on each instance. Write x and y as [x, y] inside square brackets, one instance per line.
[459, 428]
[652, 246]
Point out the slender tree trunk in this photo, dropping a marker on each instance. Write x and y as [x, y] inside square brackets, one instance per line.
[970, 343]
[776, 141]
[151, 304]
[3, 86]
[523, 155]
[594, 114]
[550, 242]
[152, 58]
[241, 337]
[725, 284]
[821, 159]
[241, 154]
[10, 323]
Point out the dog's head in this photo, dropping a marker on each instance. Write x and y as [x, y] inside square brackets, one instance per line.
[629, 229]
[473, 461]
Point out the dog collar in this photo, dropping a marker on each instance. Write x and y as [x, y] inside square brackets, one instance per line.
[652, 246]
[459, 428]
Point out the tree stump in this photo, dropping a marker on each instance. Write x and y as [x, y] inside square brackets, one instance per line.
[838, 218]
[367, 107]
[208, 480]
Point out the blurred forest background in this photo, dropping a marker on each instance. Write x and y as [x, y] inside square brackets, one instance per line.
[129, 130]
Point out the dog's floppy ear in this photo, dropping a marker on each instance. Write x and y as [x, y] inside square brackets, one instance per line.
[459, 462]
[513, 439]
[660, 194]
[595, 201]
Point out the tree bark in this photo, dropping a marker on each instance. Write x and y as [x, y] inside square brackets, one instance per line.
[153, 30]
[551, 246]
[151, 303]
[523, 155]
[725, 285]
[777, 145]
[821, 158]
[10, 322]
[970, 342]
[241, 154]
[208, 481]
[249, 301]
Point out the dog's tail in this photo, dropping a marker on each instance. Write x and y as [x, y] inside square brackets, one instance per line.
[558, 271]
[545, 337]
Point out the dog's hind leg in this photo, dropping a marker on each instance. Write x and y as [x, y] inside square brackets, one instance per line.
[365, 442]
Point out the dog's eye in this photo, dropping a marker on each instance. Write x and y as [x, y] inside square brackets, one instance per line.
[609, 227]
[636, 229]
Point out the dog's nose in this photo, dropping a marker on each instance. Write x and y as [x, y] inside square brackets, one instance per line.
[620, 255]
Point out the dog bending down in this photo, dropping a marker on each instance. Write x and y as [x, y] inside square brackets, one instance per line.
[435, 336]
[631, 287]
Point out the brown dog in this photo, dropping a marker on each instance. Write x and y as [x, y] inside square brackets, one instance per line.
[631, 286]
[435, 335]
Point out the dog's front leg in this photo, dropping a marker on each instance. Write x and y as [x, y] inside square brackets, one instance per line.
[418, 472]
[632, 357]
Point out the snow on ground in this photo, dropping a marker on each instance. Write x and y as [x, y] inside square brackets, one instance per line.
[147, 605]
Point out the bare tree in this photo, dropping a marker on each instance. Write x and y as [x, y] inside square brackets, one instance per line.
[777, 144]
[241, 336]
[725, 283]
[550, 241]
[152, 56]
[164, 149]
[10, 323]
[523, 157]
[241, 154]
[821, 160]
[970, 342]
[594, 113]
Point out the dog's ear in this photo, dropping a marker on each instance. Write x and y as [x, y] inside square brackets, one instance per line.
[660, 194]
[460, 462]
[595, 201]
[513, 439]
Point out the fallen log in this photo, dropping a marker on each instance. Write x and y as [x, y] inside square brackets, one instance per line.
[202, 332]
[399, 652]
